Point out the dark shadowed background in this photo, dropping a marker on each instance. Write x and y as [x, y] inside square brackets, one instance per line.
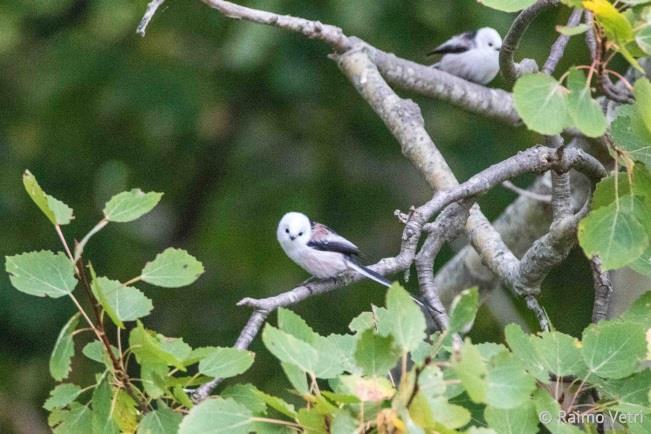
[237, 124]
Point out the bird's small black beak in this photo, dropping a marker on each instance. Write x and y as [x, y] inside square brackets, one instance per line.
[292, 237]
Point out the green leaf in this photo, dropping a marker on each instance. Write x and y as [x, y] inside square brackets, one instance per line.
[335, 355]
[312, 422]
[584, 110]
[631, 394]
[41, 273]
[155, 378]
[559, 353]
[289, 349]
[431, 381]
[61, 396]
[518, 420]
[277, 404]
[163, 420]
[572, 30]
[472, 371]
[172, 268]
[522, 346]
[121, 303]
[103, 407]
[374, 354]
[149, 347]
[508, 384]
[433, 412]
[642, 264]
[124, 412]
[296, 377]
[640, 310]
[643, 38]
[74, 421]
[614, 349]
[226, 362]
[343, 423]
[607, 191]
[549, 413]
[56, 211]
[247, 395]
[130, 205]
[463, 311]
[361, 322]
[64, 349]
[217, 416]
[642, 92]
[542, 103]
[95, 351]
[402, 319]
[631, 135]
[615, 232]
[291, 323]
[507, 5]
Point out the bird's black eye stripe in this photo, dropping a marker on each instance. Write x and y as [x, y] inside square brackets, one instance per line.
[286, 230]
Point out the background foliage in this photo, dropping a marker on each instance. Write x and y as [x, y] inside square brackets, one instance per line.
[237, 124]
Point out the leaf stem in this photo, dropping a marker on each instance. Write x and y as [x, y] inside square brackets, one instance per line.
[132, 281]
[275, 421]
[79, 249]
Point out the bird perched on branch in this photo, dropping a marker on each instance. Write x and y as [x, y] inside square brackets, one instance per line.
[319, 250]
[473, 56]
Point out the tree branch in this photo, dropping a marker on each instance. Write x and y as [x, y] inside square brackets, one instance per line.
[510, 70]
[365, 66]
[603, 289]
[152, 7]
[425, 80]
[558, 47]
[446, 227]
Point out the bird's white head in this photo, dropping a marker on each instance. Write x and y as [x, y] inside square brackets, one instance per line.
[488, 38]
[294, 230]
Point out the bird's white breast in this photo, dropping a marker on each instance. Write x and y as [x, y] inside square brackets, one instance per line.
[477, 65]
[318, 263]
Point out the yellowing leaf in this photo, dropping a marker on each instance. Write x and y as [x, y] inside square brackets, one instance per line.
[616, 25]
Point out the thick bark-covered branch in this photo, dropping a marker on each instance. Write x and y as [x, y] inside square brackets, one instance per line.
[603, 289]
[425, 80]
[493, 103]
[370, 71]
[447, 226]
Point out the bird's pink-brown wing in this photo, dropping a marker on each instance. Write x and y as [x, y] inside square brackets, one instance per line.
[325, 239]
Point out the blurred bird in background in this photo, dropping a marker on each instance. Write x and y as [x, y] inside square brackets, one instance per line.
[473, 56]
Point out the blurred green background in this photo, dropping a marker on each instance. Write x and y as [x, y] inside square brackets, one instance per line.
[237, 124]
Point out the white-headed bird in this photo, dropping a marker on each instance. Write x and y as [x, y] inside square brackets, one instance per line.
[319, 250]
[473, 56]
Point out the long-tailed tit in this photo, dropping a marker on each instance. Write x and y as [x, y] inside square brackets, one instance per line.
[473, 56]
[319, 250]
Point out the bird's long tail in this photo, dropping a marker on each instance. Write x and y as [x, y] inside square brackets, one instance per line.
[369, 273]
[377, 278]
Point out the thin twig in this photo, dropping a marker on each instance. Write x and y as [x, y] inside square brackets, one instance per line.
[152, 7]
[79, 248]
[544, 198]
[558, 47]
